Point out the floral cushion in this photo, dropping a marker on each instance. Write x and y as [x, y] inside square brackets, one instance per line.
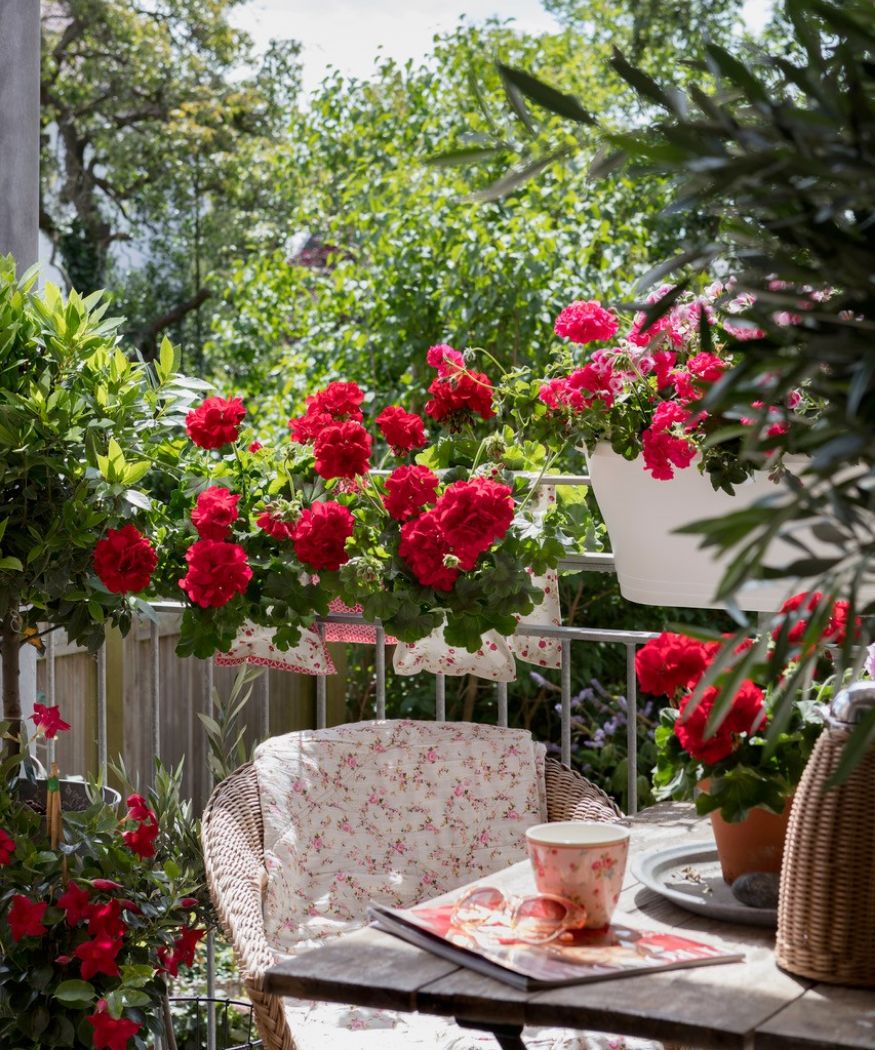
[253, 645]
[493, 660]
[393, 812]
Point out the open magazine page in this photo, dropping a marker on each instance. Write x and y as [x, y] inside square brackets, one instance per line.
[580, 955]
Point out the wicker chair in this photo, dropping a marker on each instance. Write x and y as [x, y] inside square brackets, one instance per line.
[233, 843]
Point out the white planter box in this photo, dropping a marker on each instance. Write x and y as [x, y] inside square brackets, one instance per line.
[654, 565]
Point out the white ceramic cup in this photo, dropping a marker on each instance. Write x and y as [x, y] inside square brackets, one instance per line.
[582, 861]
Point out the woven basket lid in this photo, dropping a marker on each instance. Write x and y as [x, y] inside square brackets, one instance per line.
[851, 704]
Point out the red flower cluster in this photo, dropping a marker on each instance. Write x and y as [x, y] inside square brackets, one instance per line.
[662, 448]
[467, 519]
[585, 321]
[215, 422]
[25, 917]
[343, 450]
[7, 848]
[408, 490]
[457, 394]
[48, 720]
[337, 403]
[141, 840]
[746, 716]
[595, 381]
[124, 560]
[111, 1033]
[404, 431]
[217, 572]
[182, 953]
[836, 629]
[321, 533]
[671, 663]
[275, 526]
[215, 512]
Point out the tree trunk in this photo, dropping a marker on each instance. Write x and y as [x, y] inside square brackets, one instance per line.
[11, 684]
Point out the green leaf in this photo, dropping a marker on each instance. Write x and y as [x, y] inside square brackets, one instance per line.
[74, 992]
[544, 95]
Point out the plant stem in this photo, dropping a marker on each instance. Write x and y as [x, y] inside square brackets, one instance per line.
[11, 684]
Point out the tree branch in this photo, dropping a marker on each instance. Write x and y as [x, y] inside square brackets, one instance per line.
[147, 340]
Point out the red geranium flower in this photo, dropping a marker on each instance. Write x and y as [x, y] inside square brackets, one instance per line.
[217, 572]
[321, 533]
[424, 547]
[473, 515]
[404, 431]
[456, 398]
[582, 388]
[836, 628]
[215, 422]
[274, 526]
[746, 715]
[76, 903]
[338, 402]
[7, 848]
[343, 450]
[670, 663]
[585, 321]
[255, 446]
[124, 560]
[25, 917]
[48, 720]
[408, 490]
[111, 1033]
[445, 359]
[215, 512]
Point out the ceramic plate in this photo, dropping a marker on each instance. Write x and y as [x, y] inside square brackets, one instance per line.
[690, 876]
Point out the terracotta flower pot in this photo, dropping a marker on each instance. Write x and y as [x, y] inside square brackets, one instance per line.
[754, 844]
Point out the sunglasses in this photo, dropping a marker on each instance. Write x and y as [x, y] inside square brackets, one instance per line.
[537, 919]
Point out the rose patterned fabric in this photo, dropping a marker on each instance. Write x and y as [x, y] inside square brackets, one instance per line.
[394, 812]
[354, 633]
[253, 645]
[493, 660]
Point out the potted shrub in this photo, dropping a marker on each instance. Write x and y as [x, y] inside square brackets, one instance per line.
[721, 741]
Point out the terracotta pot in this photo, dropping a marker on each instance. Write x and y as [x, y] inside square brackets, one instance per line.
[754, 844]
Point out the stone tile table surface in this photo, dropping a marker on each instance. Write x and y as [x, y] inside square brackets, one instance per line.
[749, 1005]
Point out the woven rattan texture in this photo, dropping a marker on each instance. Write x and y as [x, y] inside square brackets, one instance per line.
[826, 911]
[233, 845]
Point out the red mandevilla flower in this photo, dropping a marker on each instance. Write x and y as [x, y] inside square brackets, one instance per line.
[105, 920]
[215, 512]
[48, 721]
[670, 663]
[98, 956]
[141, 840]
[321, 533]
[745, 716]
[424, 547]
[408, 490]
[7, 848]
[404, 431]
[215, 422]
[585, 321]
[111, 1033]
[124, 560]
[343, 450]
[473, 515]
[25, 917]
[76, 903]
[106, 885]
[217, 572]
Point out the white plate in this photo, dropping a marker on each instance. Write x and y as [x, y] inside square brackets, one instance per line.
[690, 876]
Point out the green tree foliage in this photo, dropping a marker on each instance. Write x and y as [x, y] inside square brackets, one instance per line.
[151, 148]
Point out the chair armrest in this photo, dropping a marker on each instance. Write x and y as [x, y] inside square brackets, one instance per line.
[571, 796]
[233, 842]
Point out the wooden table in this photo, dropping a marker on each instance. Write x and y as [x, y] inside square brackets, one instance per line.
[750, 1005]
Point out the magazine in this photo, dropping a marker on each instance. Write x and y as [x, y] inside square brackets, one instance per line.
[579, 956]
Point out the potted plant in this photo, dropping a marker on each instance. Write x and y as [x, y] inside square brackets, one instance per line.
[721, 742]
[98, 910]
[633, 402]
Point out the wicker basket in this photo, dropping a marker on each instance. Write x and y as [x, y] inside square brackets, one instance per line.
[826, 910]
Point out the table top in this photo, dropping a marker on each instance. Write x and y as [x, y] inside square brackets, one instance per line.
[749, 1005]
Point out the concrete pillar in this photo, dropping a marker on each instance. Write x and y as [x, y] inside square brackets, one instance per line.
[19, 130]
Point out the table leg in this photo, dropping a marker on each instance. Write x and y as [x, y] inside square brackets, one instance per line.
[508, 1036]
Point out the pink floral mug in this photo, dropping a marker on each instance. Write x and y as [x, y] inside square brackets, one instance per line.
[582, 861]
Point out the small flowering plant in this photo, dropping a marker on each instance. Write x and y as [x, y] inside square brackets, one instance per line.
[725, 742]
[91, 930]
[639, 385]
